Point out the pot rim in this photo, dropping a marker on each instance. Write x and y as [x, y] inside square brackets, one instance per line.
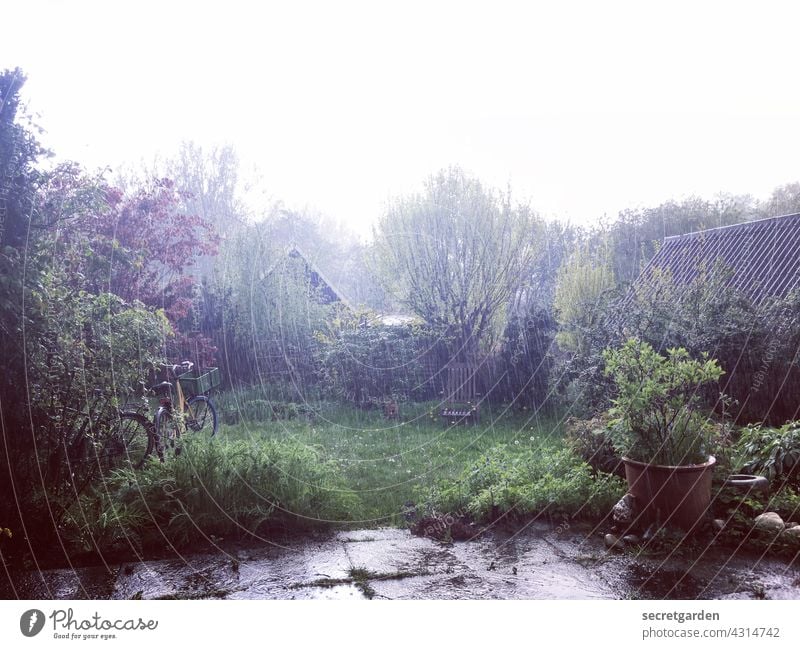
[676, 468]
[745, 477]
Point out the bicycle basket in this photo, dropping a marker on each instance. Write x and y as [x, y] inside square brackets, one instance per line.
[196, 383]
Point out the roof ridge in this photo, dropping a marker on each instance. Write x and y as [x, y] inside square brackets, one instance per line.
[293, 247]
[698, 233]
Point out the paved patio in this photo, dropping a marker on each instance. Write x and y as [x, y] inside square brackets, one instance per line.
[538, 562]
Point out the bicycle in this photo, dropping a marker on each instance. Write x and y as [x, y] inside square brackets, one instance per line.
[197, 413]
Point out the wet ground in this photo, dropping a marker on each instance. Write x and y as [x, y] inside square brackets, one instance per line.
[539, 562]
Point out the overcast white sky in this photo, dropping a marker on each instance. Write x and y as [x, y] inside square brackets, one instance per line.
[584, 108]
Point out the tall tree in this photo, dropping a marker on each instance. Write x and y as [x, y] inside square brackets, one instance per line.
[63, 331]
[784, 200]
[585, 287]
[636, 234]
[456, 255]
[19, 151]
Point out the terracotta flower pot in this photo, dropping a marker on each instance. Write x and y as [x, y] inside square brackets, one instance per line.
[673, 495]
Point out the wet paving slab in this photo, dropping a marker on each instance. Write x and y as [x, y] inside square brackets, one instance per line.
[537, 562]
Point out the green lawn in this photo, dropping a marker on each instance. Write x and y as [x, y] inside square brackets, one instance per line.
[383, 460]
[326, 464]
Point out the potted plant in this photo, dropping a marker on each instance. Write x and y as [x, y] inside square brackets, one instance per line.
[660, 431]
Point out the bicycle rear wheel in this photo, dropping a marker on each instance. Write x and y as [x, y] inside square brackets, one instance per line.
[167, 431]
[135, 439]
[201, 415]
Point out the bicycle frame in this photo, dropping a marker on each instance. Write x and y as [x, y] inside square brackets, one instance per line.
[167, 401]
[166, 407]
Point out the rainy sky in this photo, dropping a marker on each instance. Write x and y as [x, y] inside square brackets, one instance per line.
[581, 108]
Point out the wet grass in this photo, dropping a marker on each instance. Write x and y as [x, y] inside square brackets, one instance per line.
[214, 593]
[331, 466]
[385, 462]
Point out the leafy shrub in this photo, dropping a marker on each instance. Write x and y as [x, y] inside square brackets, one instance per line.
[771, 452]
[522, 368]
[721, 446]
[756, 344]
[77, 342]
[786, 503]
[591, 440]
[577, 379]
[584, 288]
[366, 364]
[222, 488]
[522, 483]
[656, 416]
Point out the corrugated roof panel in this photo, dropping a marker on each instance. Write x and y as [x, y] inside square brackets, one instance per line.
[763, 256]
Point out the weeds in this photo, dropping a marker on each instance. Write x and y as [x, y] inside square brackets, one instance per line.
[518, 484]
[220, 489]
[361, 578]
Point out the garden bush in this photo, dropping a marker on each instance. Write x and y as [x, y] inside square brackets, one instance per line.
[657, 414]
[368, 364]
[591, 440]
[221, 489]
[786, 503]
[771, 452]
[756, 344]
[78, 343]
[521, 483]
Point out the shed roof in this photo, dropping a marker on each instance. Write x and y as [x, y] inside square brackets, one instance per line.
[762, 256]
[327, 292]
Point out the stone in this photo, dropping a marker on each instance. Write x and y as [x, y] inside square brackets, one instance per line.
[718, 524]
[613, 542]
[625, 510]
[791, 533]
[631, 539]
[769, 522]
[792, 524]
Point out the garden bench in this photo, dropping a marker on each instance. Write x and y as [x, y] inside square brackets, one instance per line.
[462, 403]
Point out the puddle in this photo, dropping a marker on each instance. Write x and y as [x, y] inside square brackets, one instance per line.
[649, 583]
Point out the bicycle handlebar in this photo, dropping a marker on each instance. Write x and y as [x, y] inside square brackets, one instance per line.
[186, 366]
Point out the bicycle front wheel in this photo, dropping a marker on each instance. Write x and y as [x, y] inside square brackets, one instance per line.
[201, 415]
[135, 439]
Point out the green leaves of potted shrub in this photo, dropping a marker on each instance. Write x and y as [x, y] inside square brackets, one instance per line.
[655, 412]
